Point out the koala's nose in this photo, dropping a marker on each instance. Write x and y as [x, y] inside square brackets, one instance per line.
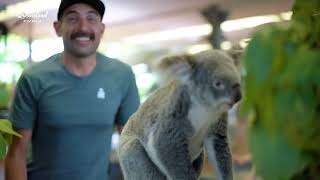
[236, 93]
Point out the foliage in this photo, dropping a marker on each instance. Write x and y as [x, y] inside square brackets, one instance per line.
[15, 43]
[282, 96]
[4, 95]
[6, 133]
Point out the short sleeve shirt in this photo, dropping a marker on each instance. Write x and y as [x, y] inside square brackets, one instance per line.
[73, 117]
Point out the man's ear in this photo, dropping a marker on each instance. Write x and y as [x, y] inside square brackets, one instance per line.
[57, 27]
[103, 27]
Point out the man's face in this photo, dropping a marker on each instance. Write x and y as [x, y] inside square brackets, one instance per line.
[81, 29]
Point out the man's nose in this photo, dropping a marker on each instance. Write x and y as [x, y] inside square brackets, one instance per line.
[83, 25]
[236, 93]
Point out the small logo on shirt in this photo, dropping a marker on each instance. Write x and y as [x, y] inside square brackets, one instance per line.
[101, 94]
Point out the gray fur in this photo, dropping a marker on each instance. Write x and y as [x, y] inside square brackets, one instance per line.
[166, 137]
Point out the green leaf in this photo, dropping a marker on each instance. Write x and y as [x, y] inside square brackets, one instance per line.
[273, 156]
[259, 58]
[4, 96]
[283, 102]
[6, 127]
[3, 147]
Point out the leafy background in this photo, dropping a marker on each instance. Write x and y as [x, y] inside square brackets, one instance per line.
[282, 96]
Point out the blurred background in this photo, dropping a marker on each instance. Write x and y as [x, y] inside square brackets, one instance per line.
[140, 32]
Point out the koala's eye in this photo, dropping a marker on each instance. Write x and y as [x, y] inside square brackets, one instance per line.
[218, 85]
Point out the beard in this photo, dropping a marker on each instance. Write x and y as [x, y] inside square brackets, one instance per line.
[77, 50]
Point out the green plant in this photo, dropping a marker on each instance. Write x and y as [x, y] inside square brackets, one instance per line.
[282, 96]
[6, 133]
[4, 96]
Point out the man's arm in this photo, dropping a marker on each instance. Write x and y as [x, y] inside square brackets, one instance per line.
[15, 162]
[129, 103]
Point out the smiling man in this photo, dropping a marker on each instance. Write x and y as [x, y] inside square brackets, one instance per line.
[67, 106]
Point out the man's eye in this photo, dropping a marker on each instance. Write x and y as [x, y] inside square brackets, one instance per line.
[71, 19]
[93, 19]
[218, 85]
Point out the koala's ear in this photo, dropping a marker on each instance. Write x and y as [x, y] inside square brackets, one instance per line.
[236, 56]
[179, 67]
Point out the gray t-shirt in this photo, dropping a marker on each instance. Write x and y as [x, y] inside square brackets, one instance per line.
[73, 117]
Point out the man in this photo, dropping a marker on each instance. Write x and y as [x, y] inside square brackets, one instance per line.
[67, 105]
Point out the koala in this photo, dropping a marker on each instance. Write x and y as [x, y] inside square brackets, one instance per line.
[166, 138]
